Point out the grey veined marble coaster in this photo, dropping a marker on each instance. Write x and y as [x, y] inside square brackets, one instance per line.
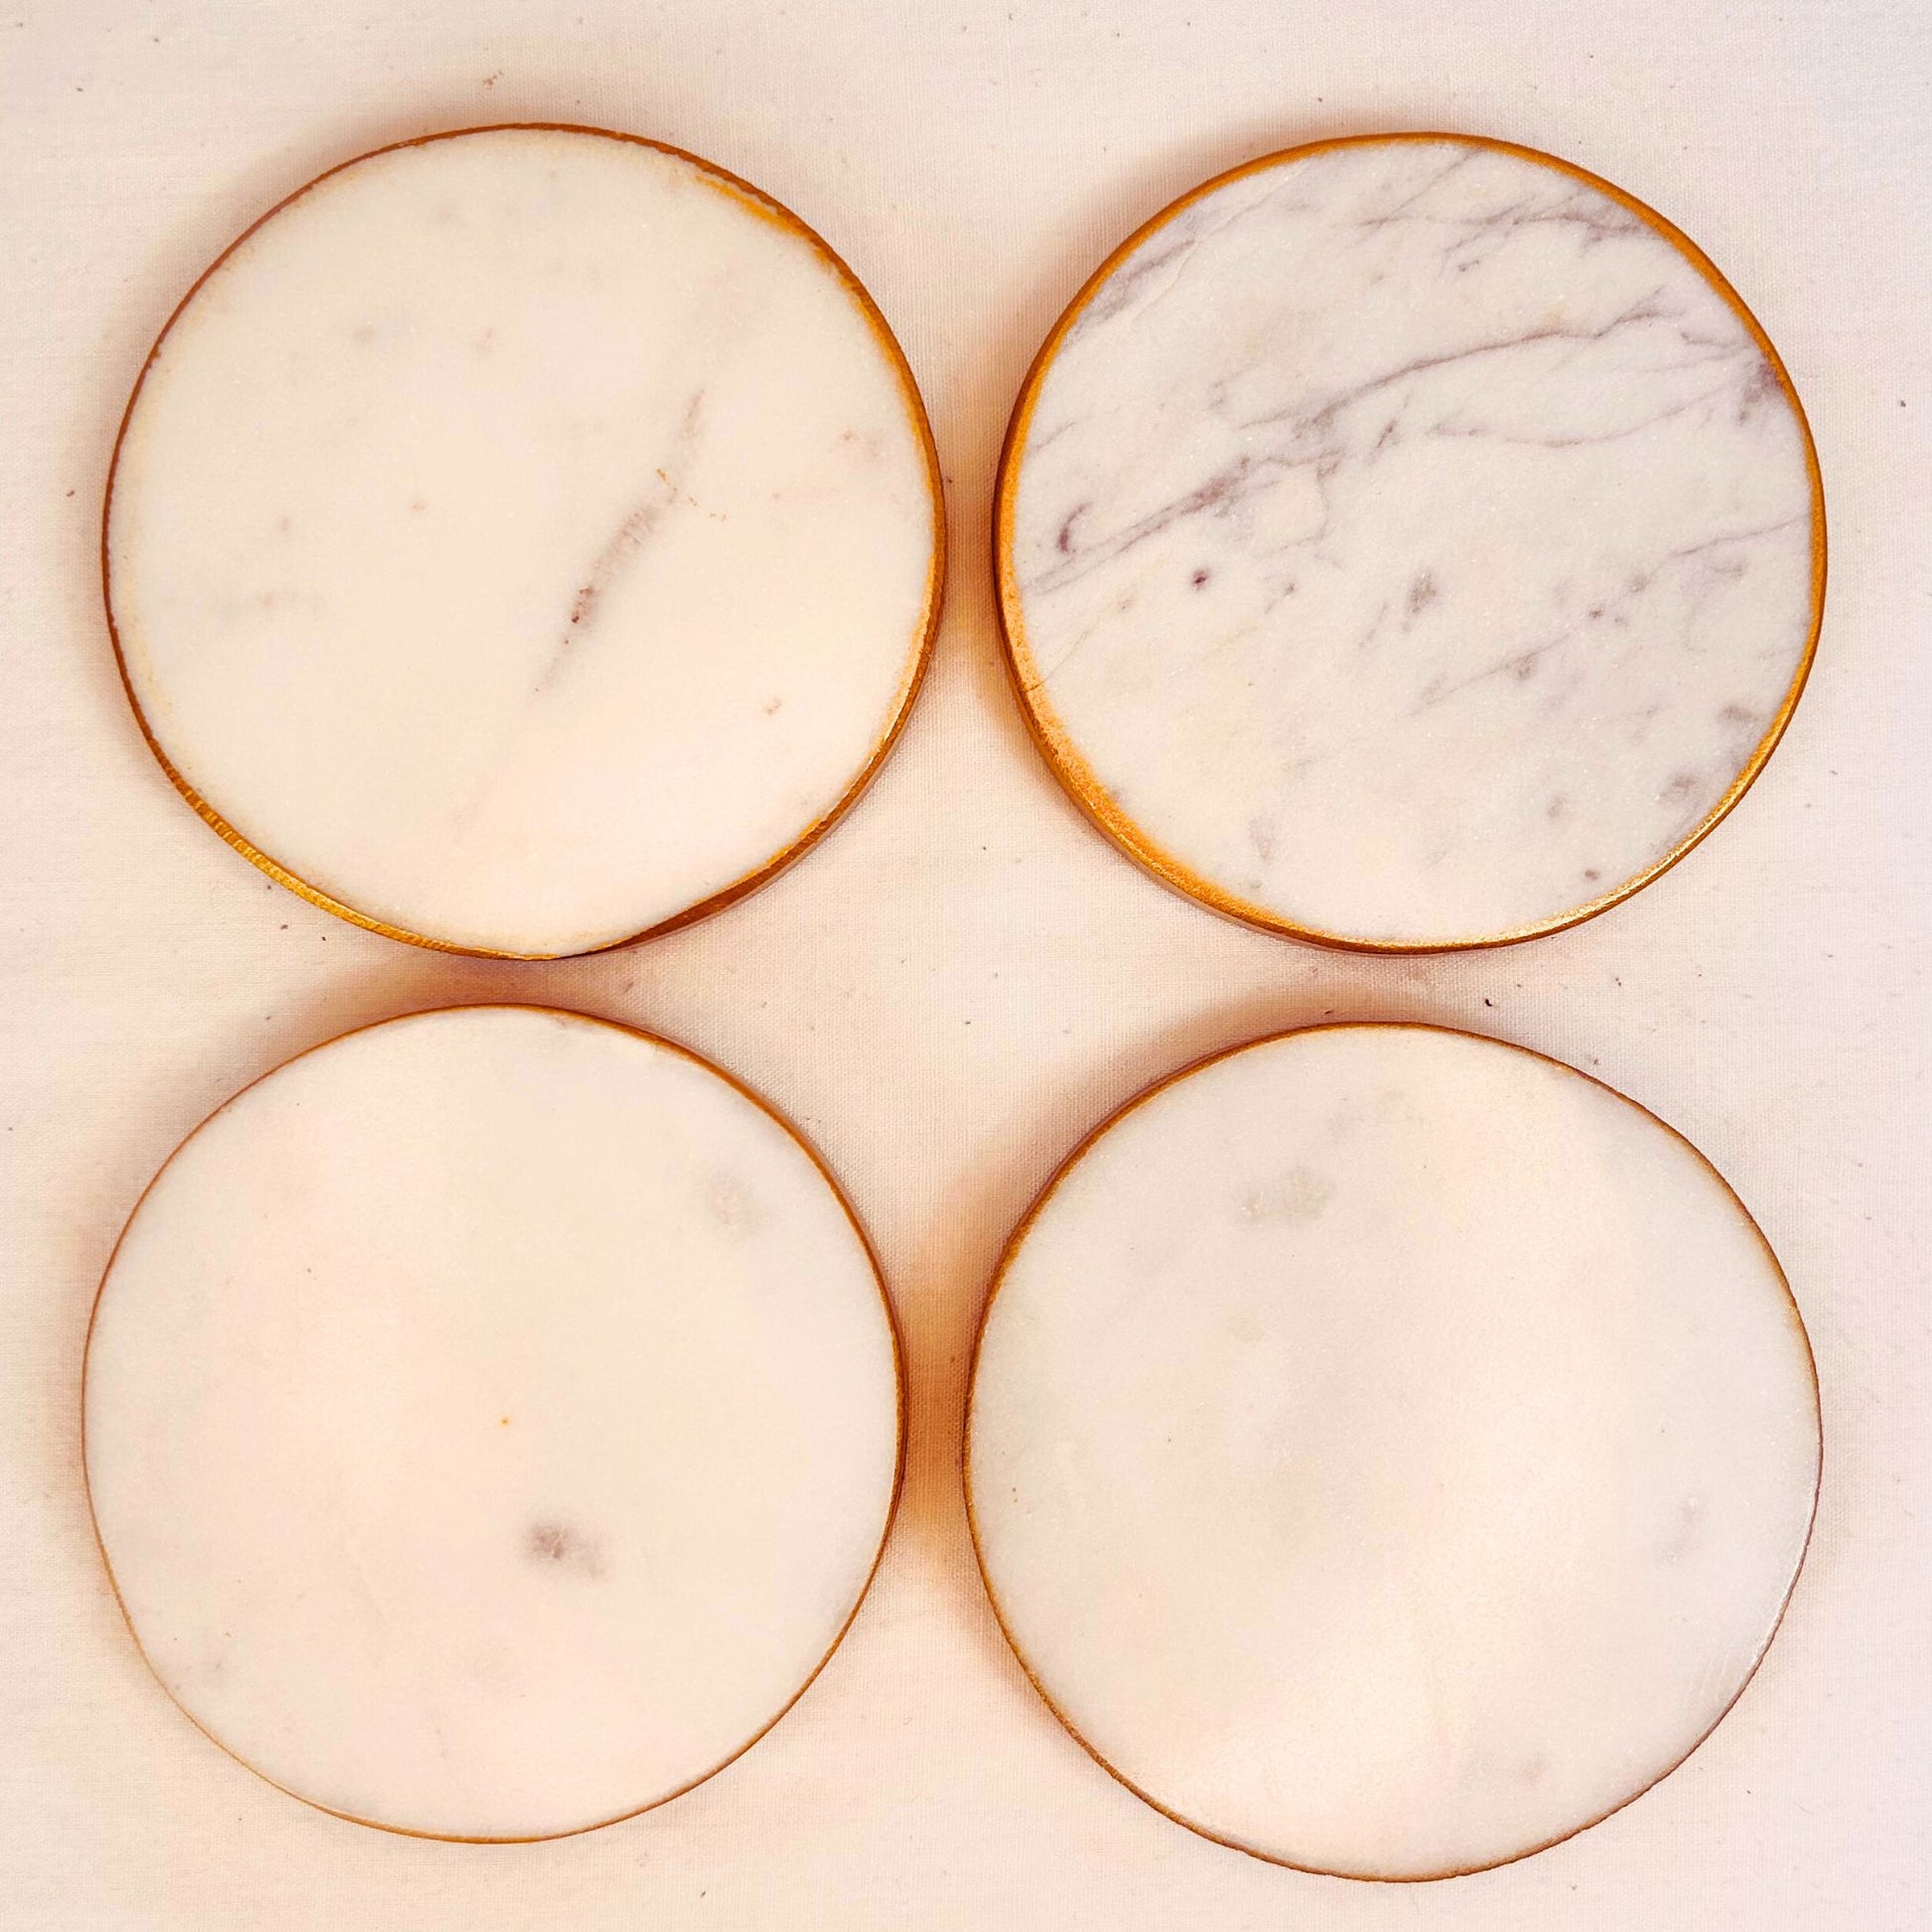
[524, 540]
[1390, 1451]
[1409, 542]
[491, 1423]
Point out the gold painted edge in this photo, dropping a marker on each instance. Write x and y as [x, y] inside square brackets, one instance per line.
[1024, 1227]
[799, 1139]
[926, 628]
[1077, 776]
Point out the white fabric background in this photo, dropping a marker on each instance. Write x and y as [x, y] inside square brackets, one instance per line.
[963, 976]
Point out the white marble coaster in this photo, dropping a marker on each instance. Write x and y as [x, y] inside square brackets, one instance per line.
[1409, 542]
[1390, 1451]
[523, 540]
[491, 1423]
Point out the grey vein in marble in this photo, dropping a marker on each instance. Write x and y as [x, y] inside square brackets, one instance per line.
[522, 539]
[1413, 541]
[491, 1423]
[1390, 1451]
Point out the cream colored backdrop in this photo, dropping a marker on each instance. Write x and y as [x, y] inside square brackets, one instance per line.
[963, 977]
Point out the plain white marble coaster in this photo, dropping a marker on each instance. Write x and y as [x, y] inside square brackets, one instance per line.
[524, 540]
[1390, 1451]
[491, 1423]
[1409, 542]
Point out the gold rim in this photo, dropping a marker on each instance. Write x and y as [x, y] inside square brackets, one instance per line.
[1077, 776]
[925, 630]
[799, 1139]
[1018, 1238]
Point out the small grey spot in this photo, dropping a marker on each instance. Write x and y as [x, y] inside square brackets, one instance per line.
[1423, 593]
[553, 1543]
[1690, 1526]
[1759, 389]
[733, 1206]
[1554, 809]
[1298, 1196]
[1680, 786]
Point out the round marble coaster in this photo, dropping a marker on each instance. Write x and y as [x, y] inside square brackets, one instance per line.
[1390, 1452]
[524, 540]
[1409, 542]
[491, 1423]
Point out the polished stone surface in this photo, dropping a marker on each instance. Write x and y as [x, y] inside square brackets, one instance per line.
[524, 537]
[1390, 1451]
[1407, 543]
[491, 1423]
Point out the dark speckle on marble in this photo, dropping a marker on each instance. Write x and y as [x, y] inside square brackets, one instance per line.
[557, 1545]
[1299, 1195]
[1689, 1527]
[733, 1206]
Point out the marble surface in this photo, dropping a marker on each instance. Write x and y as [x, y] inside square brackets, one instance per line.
[524, 537]
[1390, 1451]
[1410, 543]
[491, 1423]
